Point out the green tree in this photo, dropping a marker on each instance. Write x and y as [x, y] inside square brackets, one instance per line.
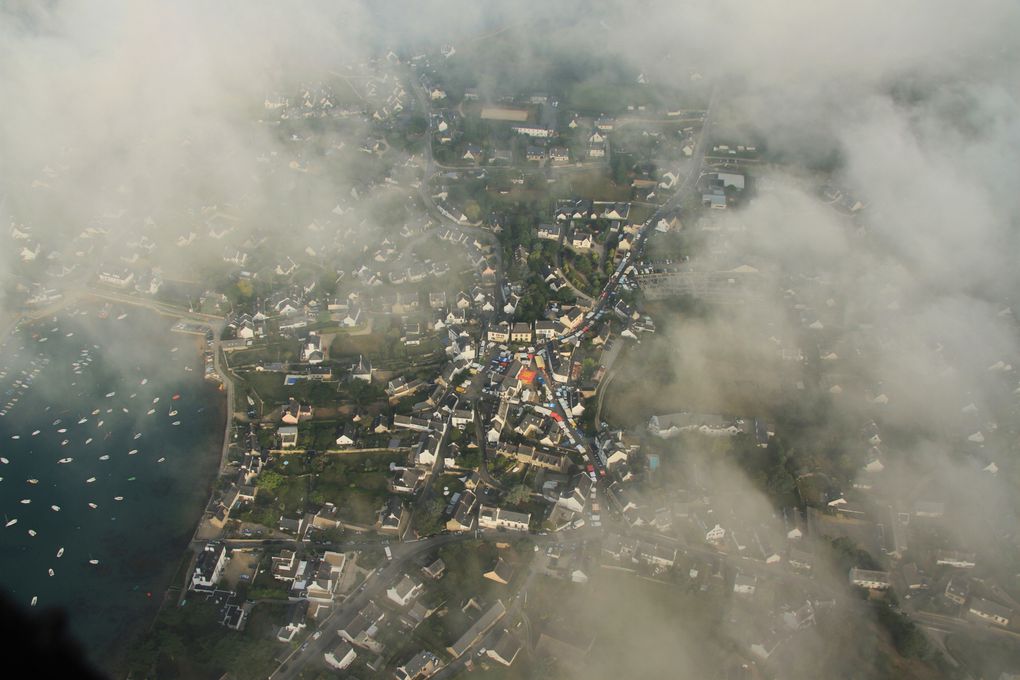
[518, 494]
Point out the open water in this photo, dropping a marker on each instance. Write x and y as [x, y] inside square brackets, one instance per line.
[71, 387]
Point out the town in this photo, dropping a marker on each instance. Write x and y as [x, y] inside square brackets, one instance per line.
[451, 414]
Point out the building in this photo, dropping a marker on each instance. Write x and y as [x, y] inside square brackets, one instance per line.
[521, 332]
[958, 590]
[499, 518]
[341, 656]
[990, 612]
[745, 584]
[405, 591]
[872, 580]
[506, 648]
[209, 567]
[288, 437]
[435, 570]
[955, 558]
[420, 666]
[479, 628]
[499, 332]
[500, 572]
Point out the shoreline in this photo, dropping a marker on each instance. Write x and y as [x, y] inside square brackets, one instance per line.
[113, 660]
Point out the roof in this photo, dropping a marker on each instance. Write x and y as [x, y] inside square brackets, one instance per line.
[478, 628]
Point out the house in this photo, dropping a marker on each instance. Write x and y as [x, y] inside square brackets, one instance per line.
[311, 351]
[499, 332]
[295, 412]
[954, 558]
[490, 517]
[284, 565]
[549, 232]
[435, 570]
[506, 649]
[958, 589]
[362, 370]
[870, 579]
[297, 612]
[990, 612]
[745, 584]
[362, 629]
[464, 513]
[405, 591]
[209, 567]
[288, 437]
[545, 330]
[405, 480]
[500, 572]
[392, 516]
[521, 333]
[572, 318]
[291, 526]
[559, 154]
[534, 153]
[479, 628]
[616, 211]
[419, 667]
[472, 152]
[581, 240]
[341, 656]
[347, 435]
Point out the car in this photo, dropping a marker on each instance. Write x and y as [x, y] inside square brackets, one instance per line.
[316, 635]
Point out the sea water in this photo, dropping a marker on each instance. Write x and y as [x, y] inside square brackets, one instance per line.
[63, 369]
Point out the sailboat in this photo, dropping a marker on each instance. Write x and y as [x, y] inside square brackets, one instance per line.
[12, 522]
[60, 553]
[52, 572]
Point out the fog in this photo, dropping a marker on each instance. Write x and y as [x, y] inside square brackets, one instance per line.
[148, 120]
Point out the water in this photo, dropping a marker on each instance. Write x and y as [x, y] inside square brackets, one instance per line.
[138, 541]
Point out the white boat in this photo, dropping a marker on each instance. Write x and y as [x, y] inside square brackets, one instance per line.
[90, 480]
[31, 532]
[176, 422]
[15, 436]
[118, 498]
[124, 409]
[62, 430]
[150, 411]
[155, 400]
[138, 435]
[93, 562]
[93, 506]
[35, 432]
[65, 442]
[60, 553]
[122, 316]
[100, 423]
[88, 441]
[144, 380]
[161, 460]
[55, 508]
[57, 421]
[64, 461]
[4, 461]
[35, 599]
[105, 456]
[83, 420]
[11, 522]
[110, 394]
[172, 413]
[33, 481]
[52, 572]
[96, 412]
[173, 350]
[26, 501]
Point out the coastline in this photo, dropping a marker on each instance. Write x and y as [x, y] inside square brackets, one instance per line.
[174, 576]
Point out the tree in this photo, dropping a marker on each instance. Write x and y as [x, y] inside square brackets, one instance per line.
[517, 495]
[270, 481]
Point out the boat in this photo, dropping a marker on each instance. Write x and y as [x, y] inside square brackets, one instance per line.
[83, 420]
[124, 409]
[132, 452]
[100, 423]
[34, 433]
[118, 498]
[172, 413]
[11, 522]
[15, 436]
[64, 461]
[55, 508]
[137, 435]
[4, 461]
[96, 412]
[173, 350]
[57, 421]
[35, 599]
[62, 430]
[60, 553]
[176, 422]
[150, 411]
[110, 394]
[105, 456]
[161, 460]
[26, 501]
[88, 441]
[93, 506]
[155, 400]
[31, 532]
[121, 317]
[90, 480]
[52, 572]
[144, 380]
[65, 442]
[176, 397]
[93, 562]
[33, 481]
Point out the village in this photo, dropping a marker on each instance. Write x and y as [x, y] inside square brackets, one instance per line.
[423, 394]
